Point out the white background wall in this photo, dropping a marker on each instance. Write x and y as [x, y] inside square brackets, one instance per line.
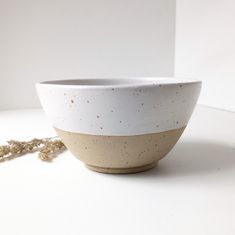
[205, 48]
[58, 39]
[48, 39]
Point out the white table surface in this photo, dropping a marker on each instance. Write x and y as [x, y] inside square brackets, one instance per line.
[192, 191]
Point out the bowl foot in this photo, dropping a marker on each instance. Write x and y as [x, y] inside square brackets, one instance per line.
[121, 170]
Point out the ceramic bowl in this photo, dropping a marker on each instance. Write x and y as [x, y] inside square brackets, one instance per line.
[119, 125]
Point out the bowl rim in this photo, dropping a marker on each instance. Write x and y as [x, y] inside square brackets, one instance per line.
[118, 82]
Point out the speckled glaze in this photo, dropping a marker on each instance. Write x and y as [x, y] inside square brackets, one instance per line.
[130, 108]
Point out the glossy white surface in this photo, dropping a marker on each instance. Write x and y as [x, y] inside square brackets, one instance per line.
[119, 106]
[191, 192]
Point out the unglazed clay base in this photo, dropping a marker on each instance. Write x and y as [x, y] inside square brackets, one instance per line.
[122, 170]
[120, 154]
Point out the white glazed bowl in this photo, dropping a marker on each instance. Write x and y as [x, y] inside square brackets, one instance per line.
[119, 125]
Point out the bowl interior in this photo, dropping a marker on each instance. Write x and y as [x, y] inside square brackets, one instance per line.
[123, 82]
